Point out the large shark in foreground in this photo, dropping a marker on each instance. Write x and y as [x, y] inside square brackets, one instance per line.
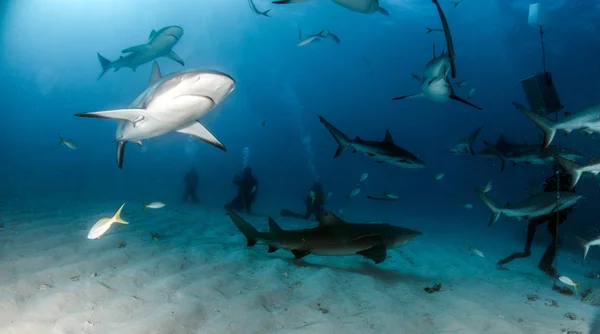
[160, 44]
[538, 204]
[172, 103]
[383, 151]
[333, 236]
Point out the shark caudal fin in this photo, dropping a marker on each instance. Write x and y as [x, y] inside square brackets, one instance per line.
[106, 65]
[542, 122]
[472, 138]
[342, 140]
[383, 11]
[585, 245]
[571, 168]
[496, 211]
[247, 230]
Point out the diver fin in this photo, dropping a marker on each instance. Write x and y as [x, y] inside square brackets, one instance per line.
[199, 131]
[298, 254]
[460, 99]
[156, 75]
[376, 253]
[120, 153]
[132, 115]
[412, 96]
[137, 48]
[272, 249]
[152, 33]
[172, 55]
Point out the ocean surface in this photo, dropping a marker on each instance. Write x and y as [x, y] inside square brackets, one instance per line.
[186, 268]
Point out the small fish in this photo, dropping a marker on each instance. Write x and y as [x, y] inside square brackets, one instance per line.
[155, 236]
[569, 282]
[470, 94]
[456, 3]
[68, 143]
[390, 195]
[253, 190]
[476, 251]
[430, 30]
[154, 205]
[362, 178]
[416, 77]
[353, 193]
[468, 206]
[104, 224]
[312, 197]
[438, 176]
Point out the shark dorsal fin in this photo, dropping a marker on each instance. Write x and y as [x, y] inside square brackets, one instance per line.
[155, 76]
[508, 204]
[273, 227]
[388, 137]
[152, 33]
[329, 219]
[358, 139]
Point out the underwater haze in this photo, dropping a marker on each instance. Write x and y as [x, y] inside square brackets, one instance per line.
[188, 266]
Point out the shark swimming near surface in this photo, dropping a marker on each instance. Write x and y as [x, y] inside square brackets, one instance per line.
[171, 103]
[359, 6]
[160, 44]
[333, 236]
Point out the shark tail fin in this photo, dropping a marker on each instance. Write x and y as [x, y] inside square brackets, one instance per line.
[266, 13]
[105, 63]
[496, 211]
[571, 168]
[342, 140]
[585, 245]
[542, 122]
[472, 138]
[247, 230]
[383, 11]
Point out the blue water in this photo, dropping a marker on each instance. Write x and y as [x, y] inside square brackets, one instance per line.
[49, 68]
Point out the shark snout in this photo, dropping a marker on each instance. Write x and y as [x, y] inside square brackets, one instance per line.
[214, 84]
[174, 31]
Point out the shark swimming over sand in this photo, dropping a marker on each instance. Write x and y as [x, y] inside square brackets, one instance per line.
[333, 236]
[160, 44]
[383, 151]
[171, 103]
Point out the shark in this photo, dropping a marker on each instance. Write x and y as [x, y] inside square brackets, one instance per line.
[529, 154]
[170, 103]
[587, 120]
[333, 236]
[435, 84]
[309, 38]
[465, 145]
[576, 170]
[359, 6]
[385, 151]
[160, 44]
[256, 11]
[538, 204]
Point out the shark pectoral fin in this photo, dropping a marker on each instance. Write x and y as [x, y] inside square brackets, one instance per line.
[460, 99]
[120, 153]
[376, 253]
[199, 131]
[272, 249]
[132, 115]
[172, 55]
[137, 48]
[298, 254]
[412, 96]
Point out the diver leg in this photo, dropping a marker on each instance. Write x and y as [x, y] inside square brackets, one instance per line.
[533, 223]
[194, 197]
[547, 260]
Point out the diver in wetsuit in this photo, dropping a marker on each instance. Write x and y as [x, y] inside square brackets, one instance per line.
[315, 204]
[246, 194]
[191, 184]
[553, 219]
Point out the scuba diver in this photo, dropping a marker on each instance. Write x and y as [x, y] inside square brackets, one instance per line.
[246, 194]
[553, 219]
[191, 184]
[315, 204]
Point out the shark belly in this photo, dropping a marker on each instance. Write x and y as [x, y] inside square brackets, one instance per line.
[361, 6]
[437, 91]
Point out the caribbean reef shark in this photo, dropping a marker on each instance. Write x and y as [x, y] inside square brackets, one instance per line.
[333, 236]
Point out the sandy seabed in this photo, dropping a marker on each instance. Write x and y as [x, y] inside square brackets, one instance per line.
[198, 276]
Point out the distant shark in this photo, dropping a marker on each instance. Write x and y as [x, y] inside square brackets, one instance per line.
[172, 103]
[360, 6]
[159, 44]
[465, 145]
[383, 151]
[333, 236]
